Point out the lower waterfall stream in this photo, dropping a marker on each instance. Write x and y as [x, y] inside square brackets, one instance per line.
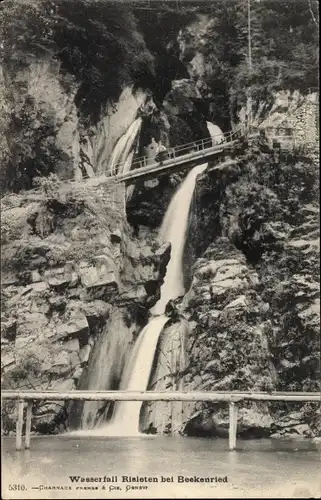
[125, 418]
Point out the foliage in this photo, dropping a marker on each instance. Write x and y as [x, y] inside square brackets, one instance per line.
[30, 135]
[49, 185]
[29, 365]
[160, 28]
[96, 42]
[284, 48]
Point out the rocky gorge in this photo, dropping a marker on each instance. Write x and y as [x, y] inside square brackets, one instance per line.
[82, 268]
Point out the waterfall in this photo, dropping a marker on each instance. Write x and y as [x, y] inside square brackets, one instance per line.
[173, 229]
[107, 362]
[215, 133]
[125, 419]
[123, 148]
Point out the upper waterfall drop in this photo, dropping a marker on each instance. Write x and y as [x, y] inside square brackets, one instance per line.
[173, 229]
[123, 148]
[216, 133]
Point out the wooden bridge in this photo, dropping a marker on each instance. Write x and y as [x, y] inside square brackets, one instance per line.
[178, 158]
[230, 397]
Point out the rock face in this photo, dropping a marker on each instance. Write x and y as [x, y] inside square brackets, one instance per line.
[229, 345]
[267, 208]
[225, 347]
[170, 363]
[99, 140]
[252, 301]
[70, 269]
[72, 148]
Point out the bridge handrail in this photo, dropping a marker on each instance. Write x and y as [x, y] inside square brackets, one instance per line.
[199, 144]
[232, 398]
[149, 395]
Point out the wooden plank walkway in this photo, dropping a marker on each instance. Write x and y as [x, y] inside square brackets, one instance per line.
[233, 397]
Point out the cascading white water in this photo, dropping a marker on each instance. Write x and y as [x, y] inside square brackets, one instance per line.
[125, 420]
[215, 133]
[123, 148]
[173, 229]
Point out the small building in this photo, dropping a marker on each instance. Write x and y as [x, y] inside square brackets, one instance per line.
[294, 124]
[278, 128]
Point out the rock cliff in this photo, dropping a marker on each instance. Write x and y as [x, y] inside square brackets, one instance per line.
[71, 267]
[80, 271]
[252, 300]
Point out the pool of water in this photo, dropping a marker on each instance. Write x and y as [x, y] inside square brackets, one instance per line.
[159, 467]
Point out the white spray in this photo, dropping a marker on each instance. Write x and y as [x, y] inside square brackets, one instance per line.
[122, 150]
[215, 133]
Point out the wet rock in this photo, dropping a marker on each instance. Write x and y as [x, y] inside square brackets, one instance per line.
[74, 359]
[77, 373]
[170, 364]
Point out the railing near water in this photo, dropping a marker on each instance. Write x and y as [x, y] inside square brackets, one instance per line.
[230, 397]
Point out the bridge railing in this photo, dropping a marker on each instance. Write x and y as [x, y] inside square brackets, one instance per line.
[181, 150]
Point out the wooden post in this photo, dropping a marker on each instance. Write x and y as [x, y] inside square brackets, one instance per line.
[173, 385]
[232, 426]
[28, 425]
[19, 424]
